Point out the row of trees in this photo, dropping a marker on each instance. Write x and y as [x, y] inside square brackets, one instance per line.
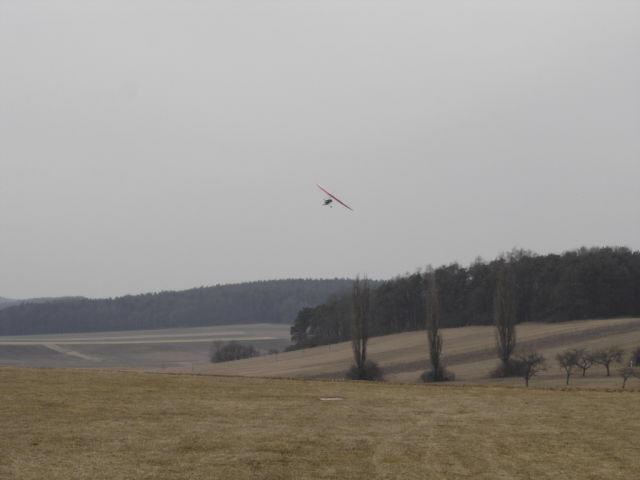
[525, 364]
[364, 369]
[582, 359]
[580, 284]
[528, 364]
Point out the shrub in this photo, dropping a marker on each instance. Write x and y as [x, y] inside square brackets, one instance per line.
[443, 375]
[369, 371]
[233, 351]
[512, 368]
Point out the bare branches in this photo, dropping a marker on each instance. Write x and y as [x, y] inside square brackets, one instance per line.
[432, 322]
[504, 315]
[635, 357]
[608, 356]
[567, 361]
[530, 364]
[584, 360]
[360, 319]
[627, 372]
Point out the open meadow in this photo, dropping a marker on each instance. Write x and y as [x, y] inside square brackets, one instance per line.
[76, 424]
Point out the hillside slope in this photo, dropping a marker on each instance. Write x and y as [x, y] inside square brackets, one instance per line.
[468, 351]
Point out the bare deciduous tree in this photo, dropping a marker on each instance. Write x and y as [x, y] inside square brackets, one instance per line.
[584, 360]
[529, 365]
[627, 372]
[608, 356]
[360, 319]
[504, 314]
[567, 361]
[635, 357]
[432, 322]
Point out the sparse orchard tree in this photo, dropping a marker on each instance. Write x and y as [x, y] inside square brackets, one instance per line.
[568, 360]
[504, 315]
[627, 372]
[432, 322]
[635, 357]
[608, 356]
[584, 360]
[360, 319]
[528, 365]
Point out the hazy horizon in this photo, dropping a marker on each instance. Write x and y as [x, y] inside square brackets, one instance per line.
[148, 146]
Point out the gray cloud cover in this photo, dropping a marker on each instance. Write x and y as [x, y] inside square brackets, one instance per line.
[153, 145]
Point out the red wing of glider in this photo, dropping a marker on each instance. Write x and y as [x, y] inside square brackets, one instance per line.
[335, 198]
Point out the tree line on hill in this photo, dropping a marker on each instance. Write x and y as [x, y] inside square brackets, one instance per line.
[514, 361]
[580, 284]
[273, 301]
[7, 302]
[10, 302]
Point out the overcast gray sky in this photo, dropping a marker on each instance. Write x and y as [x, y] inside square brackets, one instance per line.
[152, 144]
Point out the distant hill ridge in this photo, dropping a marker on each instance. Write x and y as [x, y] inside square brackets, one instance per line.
[270, 301]
[9, 302]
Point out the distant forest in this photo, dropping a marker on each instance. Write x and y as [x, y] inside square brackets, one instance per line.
[274, 301]
[580, 284]
[9, 302]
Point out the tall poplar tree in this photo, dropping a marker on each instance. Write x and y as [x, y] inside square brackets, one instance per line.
[504, 315]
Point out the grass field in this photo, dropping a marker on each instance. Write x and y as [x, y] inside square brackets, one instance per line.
[469, 352]
[93, 424]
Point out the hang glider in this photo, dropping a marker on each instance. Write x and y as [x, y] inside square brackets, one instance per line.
[331, 198]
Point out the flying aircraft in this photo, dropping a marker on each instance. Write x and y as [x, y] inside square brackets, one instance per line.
[331, 198]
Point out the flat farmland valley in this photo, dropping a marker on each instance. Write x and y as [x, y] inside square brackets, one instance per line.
[182, 348]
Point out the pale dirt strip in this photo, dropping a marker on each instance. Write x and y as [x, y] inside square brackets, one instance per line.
[135, 341]
[70, 338]
[59, 349]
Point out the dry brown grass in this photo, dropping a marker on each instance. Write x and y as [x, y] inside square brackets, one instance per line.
[74, 424]
[469, 352]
